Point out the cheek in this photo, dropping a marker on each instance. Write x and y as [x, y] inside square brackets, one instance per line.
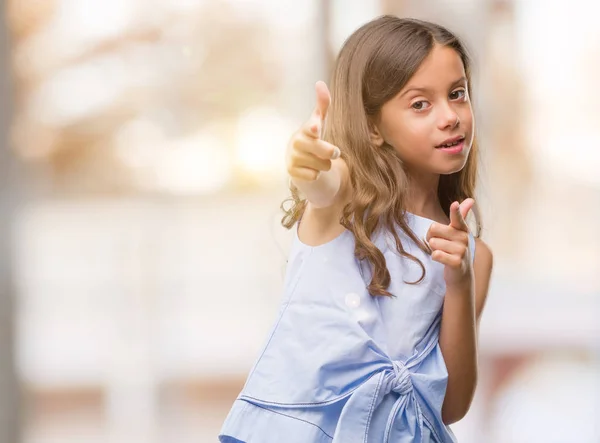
[421, 127]
[418, 132]
[411, 130]
[466, 117]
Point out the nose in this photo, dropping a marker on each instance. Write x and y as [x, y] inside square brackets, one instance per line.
[448, 118]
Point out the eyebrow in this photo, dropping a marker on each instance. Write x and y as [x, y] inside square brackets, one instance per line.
[453, 84]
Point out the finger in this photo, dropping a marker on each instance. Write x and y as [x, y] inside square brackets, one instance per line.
[314, 125]
[446, 231]
[446, 259]
[323, 99]
[319, 148]
[304, 174]
[466, 206]
[307, 160]
[312, 128]
[450, 247]
[457, 220]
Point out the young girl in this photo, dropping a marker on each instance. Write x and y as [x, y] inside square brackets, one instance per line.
[376, 338]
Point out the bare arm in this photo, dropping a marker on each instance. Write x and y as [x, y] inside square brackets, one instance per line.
[467, 284]
[328, 188]
[463, 306]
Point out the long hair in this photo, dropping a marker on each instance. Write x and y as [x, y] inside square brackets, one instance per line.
[374, 64]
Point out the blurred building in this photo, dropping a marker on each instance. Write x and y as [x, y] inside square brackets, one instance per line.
[146, 250]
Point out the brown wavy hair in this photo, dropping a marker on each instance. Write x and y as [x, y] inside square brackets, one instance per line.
[374, 64]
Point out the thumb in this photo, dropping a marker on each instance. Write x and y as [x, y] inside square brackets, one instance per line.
[323, 99]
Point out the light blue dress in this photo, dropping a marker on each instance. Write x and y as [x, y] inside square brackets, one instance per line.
[342, 366]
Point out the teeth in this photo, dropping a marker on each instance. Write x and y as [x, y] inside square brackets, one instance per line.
[449, 145]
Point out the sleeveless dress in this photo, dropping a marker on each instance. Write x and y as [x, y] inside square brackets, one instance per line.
[341, 366]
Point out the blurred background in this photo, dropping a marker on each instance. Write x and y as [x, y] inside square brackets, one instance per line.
[141, 173]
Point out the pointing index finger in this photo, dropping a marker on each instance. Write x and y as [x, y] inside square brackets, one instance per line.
[457, 220]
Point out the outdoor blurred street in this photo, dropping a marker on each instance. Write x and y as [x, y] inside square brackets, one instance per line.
[143, 170]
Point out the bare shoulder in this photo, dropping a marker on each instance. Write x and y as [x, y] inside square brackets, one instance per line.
[320, 225]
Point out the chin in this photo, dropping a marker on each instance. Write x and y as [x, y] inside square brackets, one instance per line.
[454, 170]
[452, 167]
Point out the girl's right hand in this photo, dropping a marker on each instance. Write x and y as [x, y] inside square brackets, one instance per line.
[307, 154]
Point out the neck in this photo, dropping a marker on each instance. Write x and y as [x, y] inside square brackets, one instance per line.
[422, 198]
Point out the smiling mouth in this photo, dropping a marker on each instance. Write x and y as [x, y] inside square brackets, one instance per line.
[451, 144]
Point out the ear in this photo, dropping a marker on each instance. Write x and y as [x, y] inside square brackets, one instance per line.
[376, 137]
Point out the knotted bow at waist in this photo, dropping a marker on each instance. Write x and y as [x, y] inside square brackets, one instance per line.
[401, 383]
[405, 420]
[360, 374]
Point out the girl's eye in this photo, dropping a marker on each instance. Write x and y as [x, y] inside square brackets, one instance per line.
[421, 105]
[458, 94]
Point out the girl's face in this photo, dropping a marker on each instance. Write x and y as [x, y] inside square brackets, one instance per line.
[431, 110]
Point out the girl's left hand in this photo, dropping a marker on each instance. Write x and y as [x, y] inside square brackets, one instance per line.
[450, 245]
